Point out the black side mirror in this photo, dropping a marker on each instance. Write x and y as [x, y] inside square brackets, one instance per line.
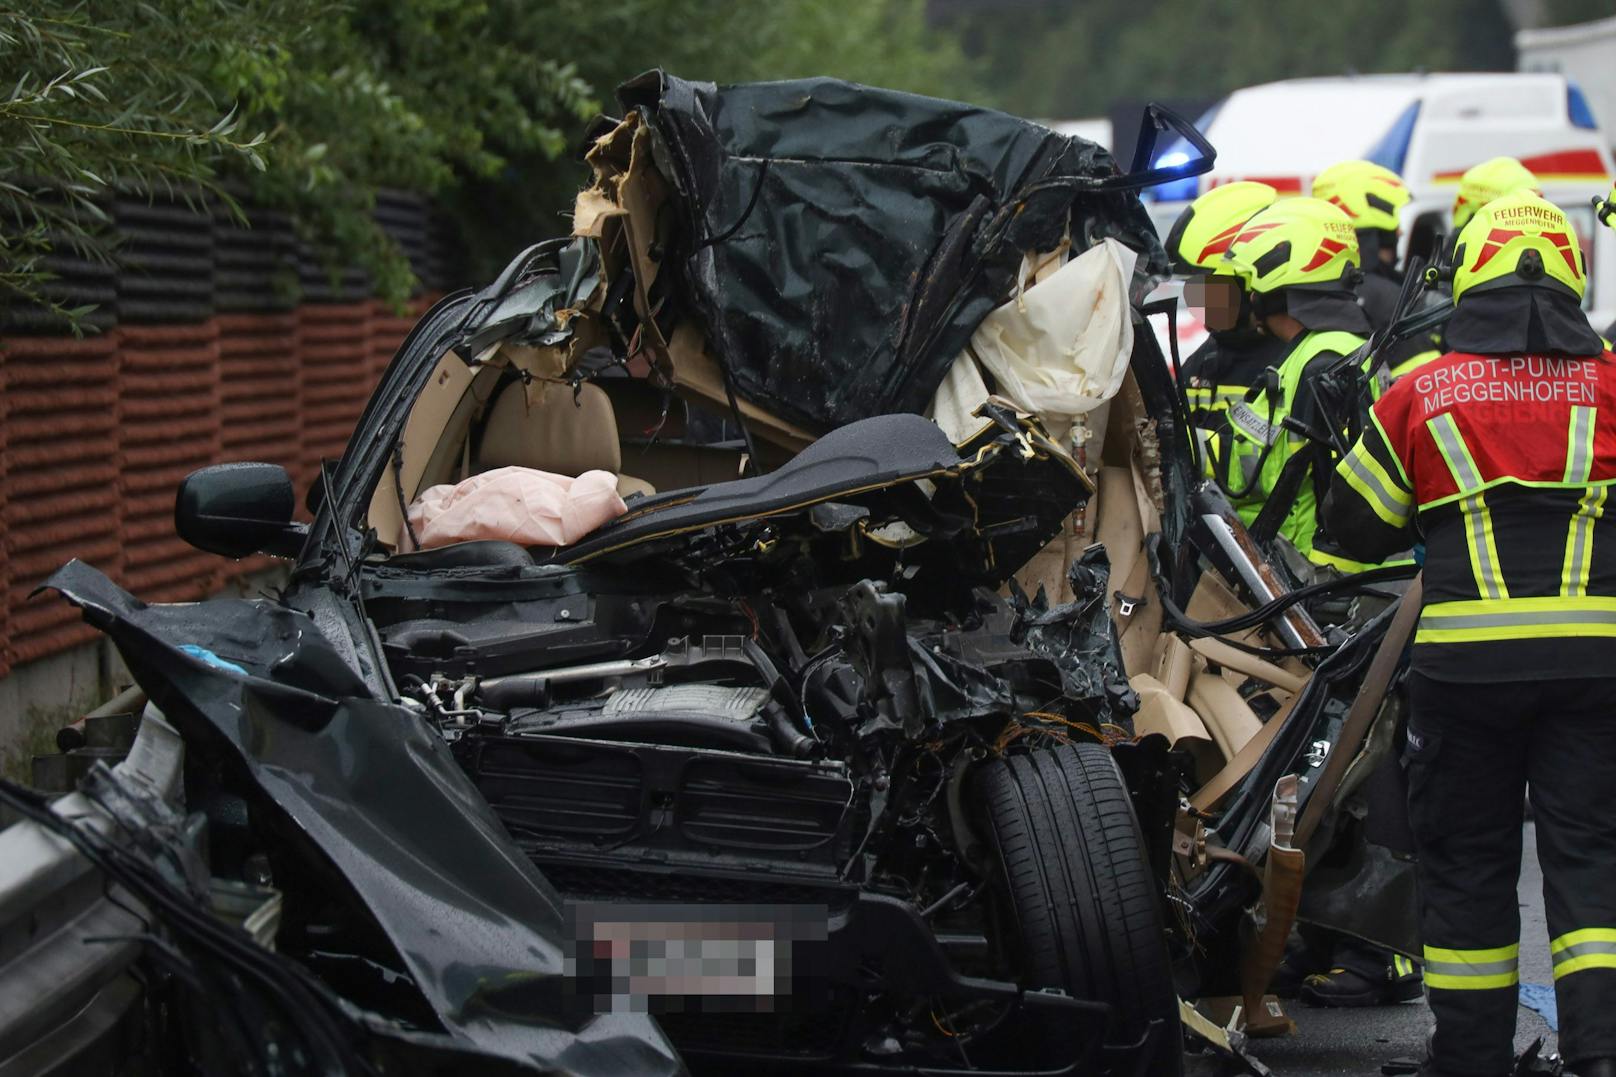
[239, 509]
[1155, 120]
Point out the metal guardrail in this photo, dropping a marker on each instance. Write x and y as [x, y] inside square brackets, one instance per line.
[68, 938]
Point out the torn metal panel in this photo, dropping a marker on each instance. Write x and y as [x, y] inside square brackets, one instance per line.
[51, 900]
[378, 792]
[1081, 639]
[910, 684]
[1367, 884]
[533, 308]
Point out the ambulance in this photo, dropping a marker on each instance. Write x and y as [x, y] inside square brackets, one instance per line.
[1429, 128]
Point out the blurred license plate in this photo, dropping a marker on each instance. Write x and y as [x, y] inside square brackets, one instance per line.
[668, 958]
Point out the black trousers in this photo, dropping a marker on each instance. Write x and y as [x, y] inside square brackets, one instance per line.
[1472, 750]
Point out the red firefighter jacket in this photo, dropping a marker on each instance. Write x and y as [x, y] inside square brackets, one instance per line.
[1504, 464]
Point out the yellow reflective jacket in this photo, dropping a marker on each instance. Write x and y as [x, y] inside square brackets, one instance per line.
[1250, 452]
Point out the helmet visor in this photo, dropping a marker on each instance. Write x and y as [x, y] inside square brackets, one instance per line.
[1216, 298]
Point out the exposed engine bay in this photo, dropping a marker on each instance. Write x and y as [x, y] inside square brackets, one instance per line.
[746, 717]
[859, 695]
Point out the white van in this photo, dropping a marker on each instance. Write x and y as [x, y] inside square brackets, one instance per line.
[1429, 129]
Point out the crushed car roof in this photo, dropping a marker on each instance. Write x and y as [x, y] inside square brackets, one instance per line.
[842, 242]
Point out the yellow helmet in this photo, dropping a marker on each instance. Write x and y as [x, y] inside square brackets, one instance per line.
[1296, 243]
[1205, 229]
[1518, 239]
[1487, 181]
[1370, 194]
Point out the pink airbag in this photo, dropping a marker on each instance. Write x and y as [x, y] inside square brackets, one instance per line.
[516, 504]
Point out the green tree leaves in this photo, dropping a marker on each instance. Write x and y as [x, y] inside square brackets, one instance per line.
[73, 126]
[315, 105]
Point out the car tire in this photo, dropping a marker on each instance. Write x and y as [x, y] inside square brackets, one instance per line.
[1081, 910]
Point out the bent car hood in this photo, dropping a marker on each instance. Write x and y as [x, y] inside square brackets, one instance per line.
[377, 792]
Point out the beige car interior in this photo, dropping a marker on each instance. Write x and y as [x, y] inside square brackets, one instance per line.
[471, 419]
[477, 417]
[552, 427]
[460, 426]
[1207, 697]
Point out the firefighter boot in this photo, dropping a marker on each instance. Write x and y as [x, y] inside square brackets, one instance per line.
[1357, 983]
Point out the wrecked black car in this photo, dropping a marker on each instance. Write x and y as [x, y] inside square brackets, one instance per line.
[851, 739]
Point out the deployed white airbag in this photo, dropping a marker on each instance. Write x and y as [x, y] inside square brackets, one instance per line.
[516, 504]
[1057, 350]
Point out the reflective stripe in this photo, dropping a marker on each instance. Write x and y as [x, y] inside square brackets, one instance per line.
[1346, 564]
[1515, 481]
[1517, 618]
[1472, 970]
[1438, 977]
[1590, 948]
[1244, 418]
[1452, 446]
[1414, 363]
[1483, 548]
[1214, 398]
[1580, 533]
[1478, 521]
[1580, 445]
[1364, 474]
[1402, 966]
[1580, 541]
[1402, 473]
[1589, 955]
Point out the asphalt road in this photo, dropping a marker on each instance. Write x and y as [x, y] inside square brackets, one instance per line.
[1328, 1043]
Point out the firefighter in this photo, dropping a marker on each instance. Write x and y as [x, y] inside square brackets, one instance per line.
[1489, 180]
[1298, 264]
[1235, 352]
[1327, 968]
[1373, 196]
[1502, 454]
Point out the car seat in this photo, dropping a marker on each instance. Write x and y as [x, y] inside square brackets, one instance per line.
[557, 431]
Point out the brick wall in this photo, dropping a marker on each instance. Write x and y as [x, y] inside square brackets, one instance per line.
[214, 343]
